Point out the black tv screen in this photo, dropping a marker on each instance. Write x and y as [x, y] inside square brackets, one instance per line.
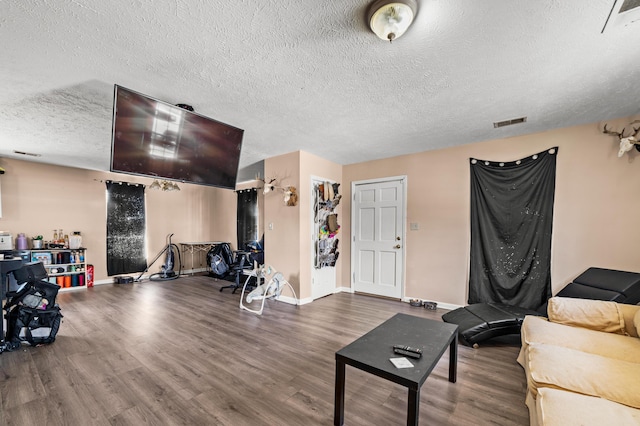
[156, 139]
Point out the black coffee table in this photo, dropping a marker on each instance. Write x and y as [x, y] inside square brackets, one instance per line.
[372, 351]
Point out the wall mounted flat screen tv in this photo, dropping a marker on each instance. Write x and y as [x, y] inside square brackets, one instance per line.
[159, 140]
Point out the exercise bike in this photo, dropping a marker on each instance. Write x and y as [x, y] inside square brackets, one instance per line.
[166, 270]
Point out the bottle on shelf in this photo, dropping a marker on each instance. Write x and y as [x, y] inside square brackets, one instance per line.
[75, 240]
[21, 242]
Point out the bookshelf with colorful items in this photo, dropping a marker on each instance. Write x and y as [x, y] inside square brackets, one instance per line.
[66, 267]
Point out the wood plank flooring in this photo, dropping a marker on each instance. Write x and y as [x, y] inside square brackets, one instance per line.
[182, 353]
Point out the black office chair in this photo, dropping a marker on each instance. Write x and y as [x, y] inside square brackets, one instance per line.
[241, 261]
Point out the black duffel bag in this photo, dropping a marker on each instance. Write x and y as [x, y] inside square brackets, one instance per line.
[36, 326]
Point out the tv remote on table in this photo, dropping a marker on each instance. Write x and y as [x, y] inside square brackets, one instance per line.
[410, 354]
[408, 349]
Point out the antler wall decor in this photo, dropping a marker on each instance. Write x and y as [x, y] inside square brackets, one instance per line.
[289, 192]
[626, 142]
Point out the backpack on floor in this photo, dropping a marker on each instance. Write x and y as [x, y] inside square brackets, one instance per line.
[218, 266]
[219, 258]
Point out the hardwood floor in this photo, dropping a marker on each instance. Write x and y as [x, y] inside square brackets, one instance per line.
[182, 353]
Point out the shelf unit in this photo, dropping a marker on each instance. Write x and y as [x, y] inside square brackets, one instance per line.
[62, 267]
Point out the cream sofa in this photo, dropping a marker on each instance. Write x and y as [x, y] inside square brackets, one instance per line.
[583, 363]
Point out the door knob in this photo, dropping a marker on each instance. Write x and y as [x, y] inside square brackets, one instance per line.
[397, 246]
[397, 238]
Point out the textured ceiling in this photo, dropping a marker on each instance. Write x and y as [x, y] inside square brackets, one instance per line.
[308, 74]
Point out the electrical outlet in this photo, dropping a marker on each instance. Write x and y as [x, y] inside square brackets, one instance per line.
[414, 226]
[270, 226]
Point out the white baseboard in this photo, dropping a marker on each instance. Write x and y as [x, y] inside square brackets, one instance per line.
[193, 271]
[292, 301]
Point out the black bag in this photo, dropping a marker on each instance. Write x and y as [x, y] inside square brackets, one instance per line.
[35, 326]
[218, 266]
[34, 294]
[219, 257]
[32, 313]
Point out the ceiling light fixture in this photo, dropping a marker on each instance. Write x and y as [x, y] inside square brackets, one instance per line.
[389, 19]
[164, 185]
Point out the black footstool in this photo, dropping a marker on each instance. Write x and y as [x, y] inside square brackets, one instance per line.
[482, 321]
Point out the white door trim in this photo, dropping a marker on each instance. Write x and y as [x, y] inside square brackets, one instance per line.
[404, 179]
[323, 280]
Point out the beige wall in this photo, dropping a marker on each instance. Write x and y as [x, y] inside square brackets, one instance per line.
[597, 199]
[594, 220]
[282, 239]
[37, 198]
[288, 246]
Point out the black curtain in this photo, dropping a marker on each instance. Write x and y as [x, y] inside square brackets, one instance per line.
[511, 224]
[247, 218]
[125, 228]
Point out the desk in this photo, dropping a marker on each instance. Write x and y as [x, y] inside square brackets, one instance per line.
[197, 248]
[372, 351]
[6, 266]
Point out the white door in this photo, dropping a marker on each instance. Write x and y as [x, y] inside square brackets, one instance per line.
[323, 279]
[378, 217]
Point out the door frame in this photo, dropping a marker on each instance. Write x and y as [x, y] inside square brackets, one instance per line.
[405, 183]
[330, 272]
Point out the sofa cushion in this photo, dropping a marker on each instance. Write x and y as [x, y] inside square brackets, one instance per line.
[593, 314]
[628, 312]
[636, 320]
[560, 408]
[538, 330]
[576, 371]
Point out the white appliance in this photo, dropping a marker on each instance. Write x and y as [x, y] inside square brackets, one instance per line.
[6, 241]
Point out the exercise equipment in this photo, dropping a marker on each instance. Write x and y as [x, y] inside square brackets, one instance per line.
[481, 321]
[166, 270]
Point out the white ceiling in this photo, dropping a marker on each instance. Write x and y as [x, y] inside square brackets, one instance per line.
[308, 74]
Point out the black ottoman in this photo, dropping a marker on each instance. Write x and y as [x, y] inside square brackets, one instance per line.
[603, 284]
[482, 321]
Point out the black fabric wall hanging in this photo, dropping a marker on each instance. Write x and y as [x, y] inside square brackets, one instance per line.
[125, 228]
[511, 224]
[247, 217]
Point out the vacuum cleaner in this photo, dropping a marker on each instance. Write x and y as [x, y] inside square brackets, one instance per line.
[166, 270]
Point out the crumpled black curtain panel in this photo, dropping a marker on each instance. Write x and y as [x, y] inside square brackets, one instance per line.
[247, 217]
[511, 225]
[125, 228]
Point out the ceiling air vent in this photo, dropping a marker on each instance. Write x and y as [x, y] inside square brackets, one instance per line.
[623, 12]
[498, 124]
[30, 154]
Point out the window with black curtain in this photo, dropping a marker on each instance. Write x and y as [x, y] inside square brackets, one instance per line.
[247, 219]
[511, 224]
[125, 228]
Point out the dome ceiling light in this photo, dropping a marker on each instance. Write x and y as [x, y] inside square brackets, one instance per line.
[389, 19]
